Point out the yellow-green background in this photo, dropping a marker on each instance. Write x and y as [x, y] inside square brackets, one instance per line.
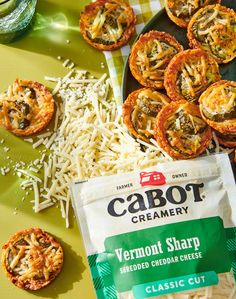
[33, 57]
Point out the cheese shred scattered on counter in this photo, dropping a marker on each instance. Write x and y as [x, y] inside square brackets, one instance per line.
[90, 140]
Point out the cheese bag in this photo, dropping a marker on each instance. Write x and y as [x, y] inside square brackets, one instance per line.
[165, 232]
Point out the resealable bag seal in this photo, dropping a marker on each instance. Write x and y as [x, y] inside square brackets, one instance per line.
[168, 231]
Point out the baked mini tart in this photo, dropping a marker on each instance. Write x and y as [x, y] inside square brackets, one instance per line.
[180, 131]
[140, 110]
[180, 12]
[189, 73]
[228, 140]
[218, 108]
[213, 29]
[107, 24]
[32, 258]
[150, 56]
[26, 107]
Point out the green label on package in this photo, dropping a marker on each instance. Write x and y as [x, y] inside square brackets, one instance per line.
[150, 255]
[177, 284]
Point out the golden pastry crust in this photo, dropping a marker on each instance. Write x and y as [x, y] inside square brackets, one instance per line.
[150, 56]
[26, 107]
[140, 110]
[227, 140]
[180, 130]
[213, 29]
[107, 24]
[32, 258]
[189, 73]
[180, 12]
[218, 106]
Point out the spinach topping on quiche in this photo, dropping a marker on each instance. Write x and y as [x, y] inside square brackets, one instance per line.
[107, 24]
[218, 106]
[140, 110]
[26, 107]
[181, 131]
[32, 258]
[150, 56]
[213, 29]
[180, 12]
[189, 73]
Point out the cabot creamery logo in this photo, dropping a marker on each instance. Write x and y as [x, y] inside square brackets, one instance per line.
[158, 202]
[152, 178]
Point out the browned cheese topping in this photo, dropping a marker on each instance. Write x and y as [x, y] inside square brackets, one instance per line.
[194, 77]
[109, 23]
[215, 29]
[26, 107]
[220, 103]
[153, 58]
[32, 258]
[184, 132]
[147, 106]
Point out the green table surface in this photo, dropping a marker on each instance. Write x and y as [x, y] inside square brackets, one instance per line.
[32, 57]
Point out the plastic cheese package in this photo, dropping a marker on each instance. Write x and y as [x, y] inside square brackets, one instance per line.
[165, 232]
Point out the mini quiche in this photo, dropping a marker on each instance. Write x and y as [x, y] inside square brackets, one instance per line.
[150, 56]
[228, 140]
[189, 73]
[213, 29]
[107, 24]
[180, 12]
[26, 107]
[180, 130]
[32, 258]
[218, 109]
[140, 110]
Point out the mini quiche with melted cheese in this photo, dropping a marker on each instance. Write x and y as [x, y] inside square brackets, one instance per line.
[150, 56]
[140, 110]
[213, 29]
[26, 107]
[218, 109]
[107, 24]
[32, 258]
[189, 73]
[180, 12]
[180, 130]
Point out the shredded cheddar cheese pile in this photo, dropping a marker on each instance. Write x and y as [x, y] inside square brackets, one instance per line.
[89, 139]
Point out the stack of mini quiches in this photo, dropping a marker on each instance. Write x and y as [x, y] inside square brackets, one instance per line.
[194, 99]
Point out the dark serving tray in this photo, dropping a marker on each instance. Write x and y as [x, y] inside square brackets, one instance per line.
[161, 22]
